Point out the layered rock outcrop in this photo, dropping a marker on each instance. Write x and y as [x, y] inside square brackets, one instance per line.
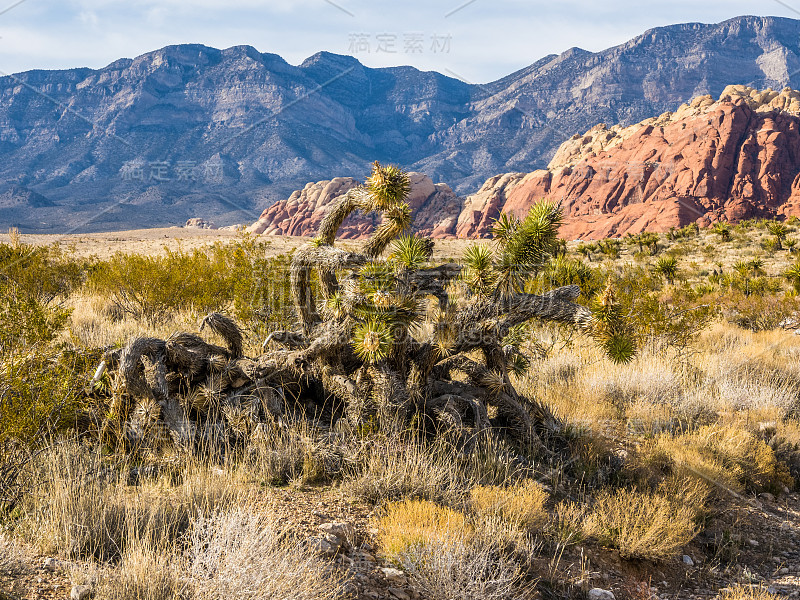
[730, 159]
[734, 158]
[302, 213]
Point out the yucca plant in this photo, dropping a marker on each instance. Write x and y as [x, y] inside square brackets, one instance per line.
[585, 250]
[723, 230]
[792, 275]
[778, 231]
[667, 266]
[392, 343]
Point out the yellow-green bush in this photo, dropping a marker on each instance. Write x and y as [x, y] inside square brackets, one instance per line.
[520, 505]
[641, 524]
[418, 522]
[238, 277]
[727, 458]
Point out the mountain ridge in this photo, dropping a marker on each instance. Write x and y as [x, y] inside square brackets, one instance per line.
[265, 127]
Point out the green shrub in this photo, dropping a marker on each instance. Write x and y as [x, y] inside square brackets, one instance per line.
[238, 277]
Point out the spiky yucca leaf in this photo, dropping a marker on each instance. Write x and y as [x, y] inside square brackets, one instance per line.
[410, 251]
[217, 363]
[494, 382]
[445, 332]
[531, 244]
[387, 185]
[376, 277]
[519, 364]
[335, 305]
[478, 270]
[504, 227]
[610, 328]
[392, 309]
[516, 336]
[196, 400]
[372, 340]
[399, 217]
[619, 348]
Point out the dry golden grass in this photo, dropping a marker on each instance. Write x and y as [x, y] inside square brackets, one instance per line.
[520, 505]
[641, 524]
[83, 507]
[14, 558]
[413, 523]
[728, 459]
[746, 592]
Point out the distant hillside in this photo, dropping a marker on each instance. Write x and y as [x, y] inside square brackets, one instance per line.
[194, 131]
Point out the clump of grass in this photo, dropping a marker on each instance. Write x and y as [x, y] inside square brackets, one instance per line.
[641, 524]
[293, 454]
[411, 523]
[566, 524]
[745, 592]
[243, 555]
[387, 469]
[727, 458]
[521, 505]
[82, 507]
[144, 573]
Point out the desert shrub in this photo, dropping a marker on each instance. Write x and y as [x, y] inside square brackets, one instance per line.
[565, 271]
[640, 524]
[153, 287]
[447, 569]
[444, 556]
[726, 458]
[745, 592]
[410, 523]
[667, 320]
[754, 311]
[785, 443]
[238, 276]
[521, 505]
[34, 282]
[43, 273]
[81, 505]
[243, 555]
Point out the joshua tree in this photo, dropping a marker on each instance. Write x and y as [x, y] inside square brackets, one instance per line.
[365, 346]
[585, 250]
[668, 267]
[610, 247]
[723, 230]
[778, 231]
[792, 275]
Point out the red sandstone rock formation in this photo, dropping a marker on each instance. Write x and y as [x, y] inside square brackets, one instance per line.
[728, 160]
[736, 158]
[302, 212]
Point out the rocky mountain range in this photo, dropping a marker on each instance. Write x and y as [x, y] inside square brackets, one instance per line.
[710, 160]
[190, 131]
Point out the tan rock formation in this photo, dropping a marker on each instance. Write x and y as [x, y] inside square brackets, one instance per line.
[735, 158]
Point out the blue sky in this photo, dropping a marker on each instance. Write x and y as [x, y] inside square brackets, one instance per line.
[478, 40]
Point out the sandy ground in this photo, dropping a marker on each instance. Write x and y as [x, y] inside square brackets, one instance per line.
[151, 241]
